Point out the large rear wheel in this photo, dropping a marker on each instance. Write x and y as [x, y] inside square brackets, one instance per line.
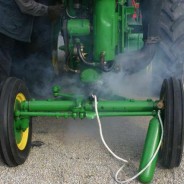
[58, 56]
[170, 60]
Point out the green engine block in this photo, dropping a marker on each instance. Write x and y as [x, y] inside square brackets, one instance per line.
[94, 33]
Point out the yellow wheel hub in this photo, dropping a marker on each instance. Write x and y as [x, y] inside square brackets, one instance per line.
[22, 134]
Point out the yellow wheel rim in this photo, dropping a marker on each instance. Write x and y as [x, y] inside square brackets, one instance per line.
[23, 135]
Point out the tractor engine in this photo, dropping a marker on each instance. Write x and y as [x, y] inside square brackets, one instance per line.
[94, 32]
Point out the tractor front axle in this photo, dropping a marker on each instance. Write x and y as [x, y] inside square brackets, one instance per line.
[81, 108]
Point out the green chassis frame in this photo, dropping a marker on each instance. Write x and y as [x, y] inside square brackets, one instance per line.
[66, 106]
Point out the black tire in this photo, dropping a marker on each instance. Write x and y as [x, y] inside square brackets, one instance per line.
[58, 57]
[15, 142]
[172, 116]
[172, 39]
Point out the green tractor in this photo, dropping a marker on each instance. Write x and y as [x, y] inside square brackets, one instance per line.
[102, 36]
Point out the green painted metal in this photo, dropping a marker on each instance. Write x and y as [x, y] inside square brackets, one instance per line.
[49, 106]
[151, 144]
[105, 29]
[134, 42]
[81, 108]
[47, 114]
[70, 8]
[78, 27]
[20, 124]
[123, 106]
[120, 17]
[103, 32]
[56, 90]
[82, 114]
[89, 75]
[92, 115]
[103, 106]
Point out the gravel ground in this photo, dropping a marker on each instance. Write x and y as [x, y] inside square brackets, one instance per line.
[73, 153]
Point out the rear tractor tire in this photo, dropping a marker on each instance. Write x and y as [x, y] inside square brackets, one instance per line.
[170, 57]
[58, 56]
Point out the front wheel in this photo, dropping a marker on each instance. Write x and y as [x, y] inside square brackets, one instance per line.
[172, 147]
[15, 133]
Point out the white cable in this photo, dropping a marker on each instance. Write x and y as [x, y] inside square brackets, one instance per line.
[149, 163]
[101, 132]
[119, 158]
